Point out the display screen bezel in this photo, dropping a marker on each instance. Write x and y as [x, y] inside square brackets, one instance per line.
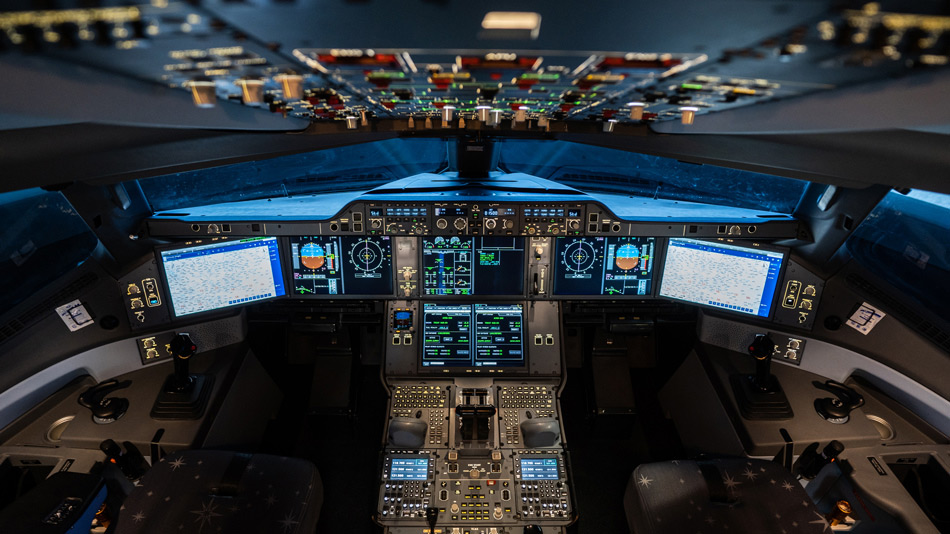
[507, 296]
[473, 369]
[289, 271]
[163, 275]
[735, 243]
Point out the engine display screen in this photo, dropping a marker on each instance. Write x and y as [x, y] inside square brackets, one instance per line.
[409, 469]
[725, 276]
[473, 335]
[472, 265]
[539, 469]
[609, 266]
[219, 275]
[347, 265]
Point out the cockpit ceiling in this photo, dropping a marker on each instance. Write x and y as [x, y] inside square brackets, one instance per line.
[435, 62]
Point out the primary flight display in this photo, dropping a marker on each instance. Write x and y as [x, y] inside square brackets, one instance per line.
[348, 265]
[609, 266]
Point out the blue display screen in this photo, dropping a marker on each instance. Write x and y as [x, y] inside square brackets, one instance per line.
[209, 277]
[539, 469]
[724, 276]
[409, 469]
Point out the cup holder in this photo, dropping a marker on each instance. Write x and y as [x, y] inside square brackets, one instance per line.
[55, 431]
[882, 426]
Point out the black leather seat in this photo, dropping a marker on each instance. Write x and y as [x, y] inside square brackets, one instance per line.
[723, 495]
[216, 491]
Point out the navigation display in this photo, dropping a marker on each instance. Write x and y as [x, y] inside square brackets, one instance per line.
[729, 277]
[539, 469]
[473, 335]
[209, 277]
[472, 265]
[604, 266]
[409, 469]
[347, 265]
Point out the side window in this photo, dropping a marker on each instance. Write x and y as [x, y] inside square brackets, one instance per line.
[906, 240]
[42, 238]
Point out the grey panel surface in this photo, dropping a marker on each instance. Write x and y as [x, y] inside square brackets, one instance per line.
[763, 437]
[105, 362]
[838, 363]
[905, 102]
[119, 99]
[542, 319]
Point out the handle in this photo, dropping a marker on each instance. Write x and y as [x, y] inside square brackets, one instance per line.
[850, 398]
[95, 395]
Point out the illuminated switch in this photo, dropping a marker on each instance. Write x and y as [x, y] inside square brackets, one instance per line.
[538, 339]
[549, 340]
[407, 339]
[396, 339]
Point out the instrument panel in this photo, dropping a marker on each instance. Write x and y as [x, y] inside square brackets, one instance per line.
[490, 251]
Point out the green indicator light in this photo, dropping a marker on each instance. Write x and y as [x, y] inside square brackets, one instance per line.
[692, 86]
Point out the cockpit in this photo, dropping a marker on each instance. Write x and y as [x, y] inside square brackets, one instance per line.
[469, 276]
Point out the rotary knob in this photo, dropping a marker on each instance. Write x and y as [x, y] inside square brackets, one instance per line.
[454, 508]
[474, 473]
[554, 229]
[573, 224]
[508, 224]
[442, 224]
[497, 514]
[376, 223]
[392, 228]
[460, 223]
[490, 223]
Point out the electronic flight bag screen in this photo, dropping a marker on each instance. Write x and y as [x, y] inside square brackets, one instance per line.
[609, 266]
[210, 277]
[341, 265]
[453, 265]
[473, 335]
[725, 276]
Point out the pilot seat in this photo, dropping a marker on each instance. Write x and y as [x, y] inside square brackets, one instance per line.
[729, 494]
[218, 491]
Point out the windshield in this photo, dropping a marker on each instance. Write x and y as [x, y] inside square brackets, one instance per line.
[356, 167]
[594, 168]
[584, 167]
